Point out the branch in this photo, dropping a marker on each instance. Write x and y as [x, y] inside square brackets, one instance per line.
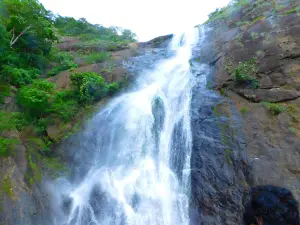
[13, 32]
[13, 41]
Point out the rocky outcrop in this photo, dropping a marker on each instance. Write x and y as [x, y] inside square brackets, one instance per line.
[263, 120]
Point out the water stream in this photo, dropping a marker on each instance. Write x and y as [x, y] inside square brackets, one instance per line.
[139, 157]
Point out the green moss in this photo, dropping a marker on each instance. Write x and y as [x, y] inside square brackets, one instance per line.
[228, 155]
[34, 173]
[54, 166]
[274, 108]
[7, 187]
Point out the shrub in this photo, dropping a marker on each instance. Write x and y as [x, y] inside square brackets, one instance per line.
[9, 121]
[35, 99]
[44, 85]
[274, 108]
[64, 109]
[88, 86]
[18, 76]
[244, 74]
[97, 57]
[244, 110]
[64, 62]
[112, 88]
[6, 146]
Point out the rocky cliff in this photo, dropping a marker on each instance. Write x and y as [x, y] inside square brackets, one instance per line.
[252, 49]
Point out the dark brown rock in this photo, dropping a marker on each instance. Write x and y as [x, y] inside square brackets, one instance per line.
[268, 95]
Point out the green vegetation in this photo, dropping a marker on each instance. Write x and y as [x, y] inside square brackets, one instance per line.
[69, 26]
[257, 19]
[244, 74]
[35, 99]
[225, 12]
[292, 130]
[294, 10]
[7, 187]
[63, 61]
[254, 35]
[6, 146]
[274, 108]
[292, 110]
[90, 87]
[228, 156]
[28, 33]
[4, 92]
[97, 57]
[244, 110]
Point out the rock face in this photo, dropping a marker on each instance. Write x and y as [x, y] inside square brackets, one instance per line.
[262, 143]
[218, 159]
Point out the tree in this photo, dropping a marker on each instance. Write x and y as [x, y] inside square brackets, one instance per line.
[29, 25]
[128, 35]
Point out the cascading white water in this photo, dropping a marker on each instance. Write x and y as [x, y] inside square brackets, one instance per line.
[140, 168]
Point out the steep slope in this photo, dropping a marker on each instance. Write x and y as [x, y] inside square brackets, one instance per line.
[252, 51]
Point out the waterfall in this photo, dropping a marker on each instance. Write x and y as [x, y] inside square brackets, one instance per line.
[138, 149]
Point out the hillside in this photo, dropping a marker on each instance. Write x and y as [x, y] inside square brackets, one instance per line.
[54, 71]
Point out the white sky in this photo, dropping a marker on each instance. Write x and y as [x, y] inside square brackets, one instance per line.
[148, 19]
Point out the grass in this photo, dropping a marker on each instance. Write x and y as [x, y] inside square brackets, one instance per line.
[97, 57]
[244, 110]
[274, 108]
[292, 110]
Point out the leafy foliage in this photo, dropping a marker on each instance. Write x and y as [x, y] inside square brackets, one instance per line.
[6, 146]
[35, 99]
[112, 88]
[19, 76]
[274, 108]
[65, 105]
[244, 74]
[10, 121]
[71, 27]
[88, 86]
[64, 61]
[29, 26]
